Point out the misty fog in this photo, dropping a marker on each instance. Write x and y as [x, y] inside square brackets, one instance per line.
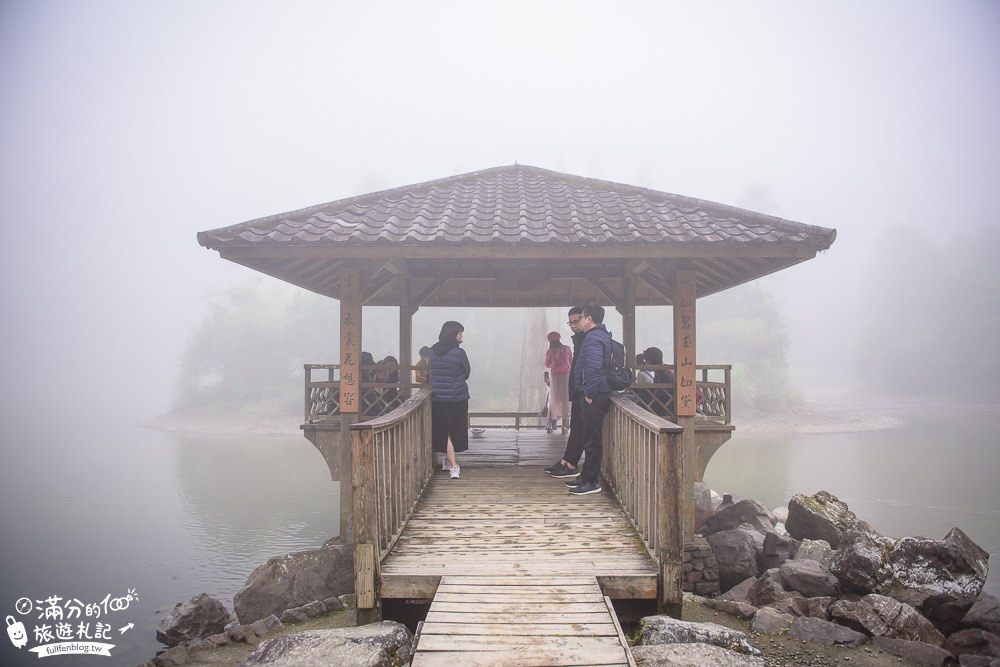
[128, 127]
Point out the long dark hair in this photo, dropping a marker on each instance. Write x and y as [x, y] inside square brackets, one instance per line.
[448, 338]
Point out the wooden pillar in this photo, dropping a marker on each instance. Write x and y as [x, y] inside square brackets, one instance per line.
[685, 387]
[405, 332]
[628, 320]
[350, 389]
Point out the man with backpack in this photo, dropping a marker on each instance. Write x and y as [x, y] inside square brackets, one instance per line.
[592, 390]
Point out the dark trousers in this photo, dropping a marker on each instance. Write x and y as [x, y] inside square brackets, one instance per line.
[574, 443]
[592, 415]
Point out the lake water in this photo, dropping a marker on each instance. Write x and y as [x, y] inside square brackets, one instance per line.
[93, 509]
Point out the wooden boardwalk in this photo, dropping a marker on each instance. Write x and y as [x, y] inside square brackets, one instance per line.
[501, 621]
[505, 516]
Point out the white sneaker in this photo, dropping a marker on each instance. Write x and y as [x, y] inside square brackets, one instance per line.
[455, 470]
[444, 464]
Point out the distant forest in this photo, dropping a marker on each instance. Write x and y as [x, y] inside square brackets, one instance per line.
[930, 325]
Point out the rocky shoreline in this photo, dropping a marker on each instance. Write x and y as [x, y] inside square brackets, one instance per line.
[810, 585]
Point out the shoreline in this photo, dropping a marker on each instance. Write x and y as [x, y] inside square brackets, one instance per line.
[824, 415]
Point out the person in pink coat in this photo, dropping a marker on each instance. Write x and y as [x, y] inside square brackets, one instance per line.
[559, 360]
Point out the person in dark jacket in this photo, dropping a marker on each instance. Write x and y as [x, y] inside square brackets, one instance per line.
[449, 369]
[594, 394]
[567, 467]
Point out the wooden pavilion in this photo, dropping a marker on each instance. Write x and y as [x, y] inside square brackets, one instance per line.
[515, 236]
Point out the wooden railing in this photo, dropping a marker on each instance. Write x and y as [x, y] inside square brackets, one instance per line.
[714, 394]
[643, 464]
[392, 463]
[322, 396]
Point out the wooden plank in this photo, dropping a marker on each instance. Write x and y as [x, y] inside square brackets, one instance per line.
[519, 620]
[477, 628]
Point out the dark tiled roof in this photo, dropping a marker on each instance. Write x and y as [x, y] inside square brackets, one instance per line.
[517, 206]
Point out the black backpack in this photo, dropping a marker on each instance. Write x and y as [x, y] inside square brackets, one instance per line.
[618, 373]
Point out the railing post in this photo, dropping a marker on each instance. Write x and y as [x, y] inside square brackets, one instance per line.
[366, 541]
[670, 512]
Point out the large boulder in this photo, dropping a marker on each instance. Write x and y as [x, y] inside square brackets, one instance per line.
[668, 630]
[770, 588]
[296, 579]
[384, 644]
[706, 502]
[818, 631]
[973, 642]
[736, 556]
[197, 618]
[777, 549]
[810, 578]
[860, 562]
[692, 655]
[940, 578]
[818, 550]
[819, 517]
[744, 512]
[922, 654]
[882, 616]
[984, 614]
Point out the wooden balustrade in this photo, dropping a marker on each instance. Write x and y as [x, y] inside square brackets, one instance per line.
[322, 396]
[392, 463]
[643, 464]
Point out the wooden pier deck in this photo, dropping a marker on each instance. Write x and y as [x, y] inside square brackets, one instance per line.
[506, 517]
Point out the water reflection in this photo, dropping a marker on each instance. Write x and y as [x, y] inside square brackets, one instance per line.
[247, 499]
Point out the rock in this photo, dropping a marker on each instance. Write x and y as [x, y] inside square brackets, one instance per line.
[769, 588]
[333, 604]
[747, 511]
[706, 502]
[883, 616]
[192, 619]
[984, 613]
[382, 644]
[241, 634]
[973, 642]
[816, 607]
[810, 578]
[819, 517]
[770, 621]
[735, 556]
[739, 609]
[667, 630]
[978, 661]
[777, 549]
[738, 593]
[789, 606]
[295, 579]
[348, 600]
[691, 655]
[923, 654]
[780, 514]
[860, 563]
[178, 655]
[823, 632]
[940, 578]
[817, 550]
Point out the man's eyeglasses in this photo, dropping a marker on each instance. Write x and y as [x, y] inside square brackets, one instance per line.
[572, 322]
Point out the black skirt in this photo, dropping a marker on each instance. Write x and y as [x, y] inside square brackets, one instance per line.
[449, 420]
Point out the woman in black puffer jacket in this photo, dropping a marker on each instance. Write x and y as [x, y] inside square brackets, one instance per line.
[448, 367]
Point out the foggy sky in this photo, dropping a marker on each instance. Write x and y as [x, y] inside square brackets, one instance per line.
[126, 127]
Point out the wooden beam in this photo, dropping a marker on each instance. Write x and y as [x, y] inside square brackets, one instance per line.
[376, 285]
[606, 290]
